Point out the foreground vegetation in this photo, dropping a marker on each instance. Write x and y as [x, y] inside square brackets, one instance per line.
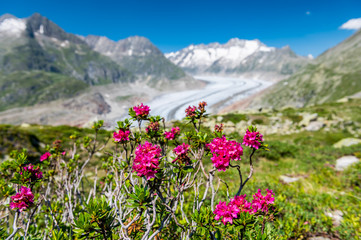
[303, 208]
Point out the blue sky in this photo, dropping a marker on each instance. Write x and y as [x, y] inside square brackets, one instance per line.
[309, 27]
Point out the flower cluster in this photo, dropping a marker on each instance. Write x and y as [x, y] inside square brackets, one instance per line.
[201, 107]
[191, 111]
[172, 134]
[153, 127]
[260, 202]
[223, 151]
[228, 212]
[35, 172]
[182, 153]
[218, 128]
[146, 161]
[253, 139]
[22, 200]
[45, 156]
[141, 111]
[121, 136]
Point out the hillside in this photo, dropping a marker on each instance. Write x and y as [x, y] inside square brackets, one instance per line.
[333, 75]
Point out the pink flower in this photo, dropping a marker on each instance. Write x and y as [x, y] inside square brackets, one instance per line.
[63, 153]
[35, 172]
[182, 153]
[241, 203]
[22, 200]
[223, 151]
[261, 203]
[181, 149]
[191, 111]
[146, 160]
[228, 212]
[253, 139]
[121, 136]
[142, 111]
[45, 156]
[172, 134]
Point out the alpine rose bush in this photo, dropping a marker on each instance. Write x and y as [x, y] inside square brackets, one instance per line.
[152, 184]
[22, 200]
[146, 161]
[223, 151]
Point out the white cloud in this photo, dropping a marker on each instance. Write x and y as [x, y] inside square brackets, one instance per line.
[352, 24]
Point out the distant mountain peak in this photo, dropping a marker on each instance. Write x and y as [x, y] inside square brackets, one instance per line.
[237, 56]
[37, 23]
[131, 46]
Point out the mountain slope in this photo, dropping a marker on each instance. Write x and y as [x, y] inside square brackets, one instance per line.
[238, 57]
[136, 54]
[42, 45]
[334, 74]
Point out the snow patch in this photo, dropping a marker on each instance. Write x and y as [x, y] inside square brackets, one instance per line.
[12, 26]
[41, 29]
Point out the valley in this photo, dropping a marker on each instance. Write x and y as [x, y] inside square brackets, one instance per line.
[218, 93]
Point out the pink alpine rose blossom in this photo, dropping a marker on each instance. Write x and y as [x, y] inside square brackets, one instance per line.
[121, 136]
[142, 111]
[45, 156]
[172, 133]
[261, 203]
[227, 212]
[182, 153]
[191, 111]
[22, 200]
[253, 139]
[146, 162]
[223, 151]
[36, 174]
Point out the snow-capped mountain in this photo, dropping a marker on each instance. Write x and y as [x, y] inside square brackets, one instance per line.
[237, 57]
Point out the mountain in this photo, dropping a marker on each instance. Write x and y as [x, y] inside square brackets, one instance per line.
[138, 55]
[238, 57]
[40, 62]
[333, 75]
[36, 43]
